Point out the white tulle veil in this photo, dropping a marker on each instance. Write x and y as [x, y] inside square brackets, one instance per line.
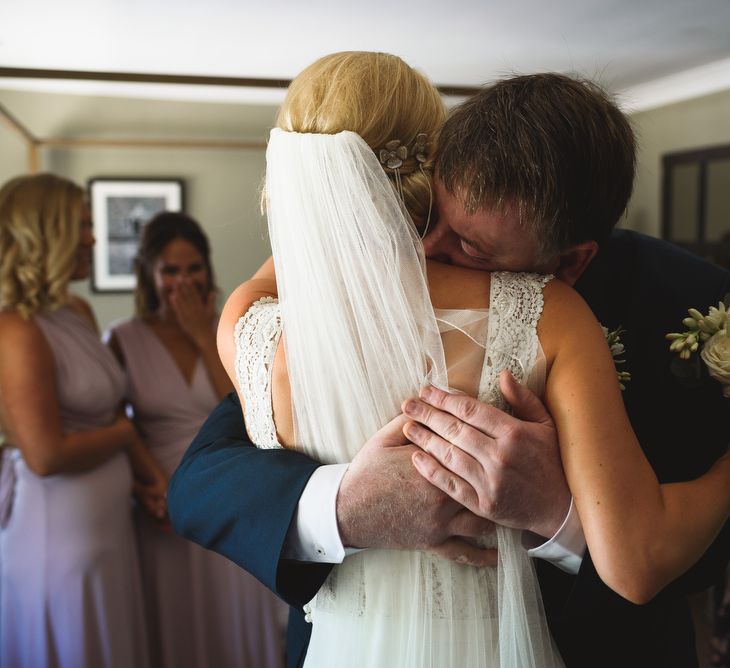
[360, 331]
[361, 336]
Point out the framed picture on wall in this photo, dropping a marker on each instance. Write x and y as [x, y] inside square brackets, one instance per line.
[120, 208]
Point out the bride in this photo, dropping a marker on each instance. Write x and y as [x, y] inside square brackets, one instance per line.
[366, 323]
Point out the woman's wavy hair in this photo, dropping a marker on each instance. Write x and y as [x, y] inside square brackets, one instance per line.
[156, 234]
[40, 227]
[381, 98]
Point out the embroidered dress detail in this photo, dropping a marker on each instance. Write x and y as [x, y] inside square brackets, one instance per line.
[515, 306]
[482, 600]
[257, 335]
[362, 331]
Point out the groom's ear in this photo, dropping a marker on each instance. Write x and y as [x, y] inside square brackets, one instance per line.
[574, 260]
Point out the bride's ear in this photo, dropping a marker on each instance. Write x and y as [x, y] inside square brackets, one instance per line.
[574, 261]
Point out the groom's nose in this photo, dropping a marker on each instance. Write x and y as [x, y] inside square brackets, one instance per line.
[441, 242]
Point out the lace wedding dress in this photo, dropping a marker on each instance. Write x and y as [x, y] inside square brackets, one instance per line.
[361, 336]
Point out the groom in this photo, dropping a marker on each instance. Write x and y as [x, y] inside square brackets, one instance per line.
[533, 174]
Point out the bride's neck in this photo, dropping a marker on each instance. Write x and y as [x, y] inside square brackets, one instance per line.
[453, 287]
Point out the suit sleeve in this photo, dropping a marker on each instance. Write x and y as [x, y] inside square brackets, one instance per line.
[239, 501]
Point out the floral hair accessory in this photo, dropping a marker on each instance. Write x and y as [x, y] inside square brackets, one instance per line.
[617, 348]
[393, 155]
[710, 336]
[420, 148]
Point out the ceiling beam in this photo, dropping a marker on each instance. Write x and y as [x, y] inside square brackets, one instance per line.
[31, 142]
[81, 142]
[184, 79]
[17, 126]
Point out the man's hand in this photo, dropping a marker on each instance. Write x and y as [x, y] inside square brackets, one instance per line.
[503, 468]
[384, 503]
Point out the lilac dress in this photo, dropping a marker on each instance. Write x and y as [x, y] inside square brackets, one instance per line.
[203, 610]
[70, 589]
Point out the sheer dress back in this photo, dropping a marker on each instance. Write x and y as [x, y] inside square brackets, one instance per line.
[401, 608]
[361, 336]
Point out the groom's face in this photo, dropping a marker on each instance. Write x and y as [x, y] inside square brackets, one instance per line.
[486, 240]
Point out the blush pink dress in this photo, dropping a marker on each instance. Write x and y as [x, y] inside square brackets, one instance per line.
[70, 588]
[203, 610]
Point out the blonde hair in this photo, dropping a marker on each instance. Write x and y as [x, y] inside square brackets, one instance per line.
[379, 97]
[40, 227]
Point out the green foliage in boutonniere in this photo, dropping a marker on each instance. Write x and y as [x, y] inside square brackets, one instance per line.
[710, 336]
[613, 339]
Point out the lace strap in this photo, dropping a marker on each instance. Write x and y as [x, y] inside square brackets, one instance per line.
[256, 337]
[515, 306]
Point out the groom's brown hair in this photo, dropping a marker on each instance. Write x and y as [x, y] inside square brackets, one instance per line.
[556, 147]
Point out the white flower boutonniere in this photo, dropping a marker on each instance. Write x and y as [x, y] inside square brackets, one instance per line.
[710, 336]
[613, 339]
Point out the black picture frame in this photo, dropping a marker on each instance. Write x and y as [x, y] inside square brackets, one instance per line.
[120, 207]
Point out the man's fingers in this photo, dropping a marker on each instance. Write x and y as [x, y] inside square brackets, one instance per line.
[525, 404]
[483, 417]
[462, 552]
[466, 524]
[457, 460]
[449, 483]
[390, 435]
[450, 428]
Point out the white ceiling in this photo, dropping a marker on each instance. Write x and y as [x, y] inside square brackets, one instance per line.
[629, 45]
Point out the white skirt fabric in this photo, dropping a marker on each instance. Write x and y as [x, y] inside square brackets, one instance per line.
[401, 609]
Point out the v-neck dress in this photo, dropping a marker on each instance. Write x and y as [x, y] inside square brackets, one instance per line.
[70, 588]
[202, 609]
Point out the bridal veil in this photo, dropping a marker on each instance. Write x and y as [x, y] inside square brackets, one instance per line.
[361, 336]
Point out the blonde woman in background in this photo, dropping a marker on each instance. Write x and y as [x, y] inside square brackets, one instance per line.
[202, 609]
[70, 592]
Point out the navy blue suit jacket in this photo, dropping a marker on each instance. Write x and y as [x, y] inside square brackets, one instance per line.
[240, 501]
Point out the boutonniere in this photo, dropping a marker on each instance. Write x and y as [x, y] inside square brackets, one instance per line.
[708, 335]
[617, 348]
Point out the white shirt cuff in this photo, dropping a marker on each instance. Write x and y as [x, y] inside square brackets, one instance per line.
[313, 534]
[566, 548]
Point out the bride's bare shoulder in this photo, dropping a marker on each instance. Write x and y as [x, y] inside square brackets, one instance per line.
[457, 287]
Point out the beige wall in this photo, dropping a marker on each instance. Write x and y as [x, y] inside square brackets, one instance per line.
[13, 154]
[221, 186]
[221, 192]
[697, 123]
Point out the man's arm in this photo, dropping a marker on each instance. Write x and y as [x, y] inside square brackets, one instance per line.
[508, 475]
[244, 503]
[239, 501]
[518, 477]
[383, 502]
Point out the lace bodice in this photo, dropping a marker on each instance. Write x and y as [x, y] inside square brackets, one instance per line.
[515, 306]
[473, 617]
[257, 335]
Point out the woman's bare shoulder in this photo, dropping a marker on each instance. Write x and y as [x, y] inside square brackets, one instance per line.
[566, 318]
[238, 302]
[13, 327]
[21, 339]
[453, 287]
[562, 301]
